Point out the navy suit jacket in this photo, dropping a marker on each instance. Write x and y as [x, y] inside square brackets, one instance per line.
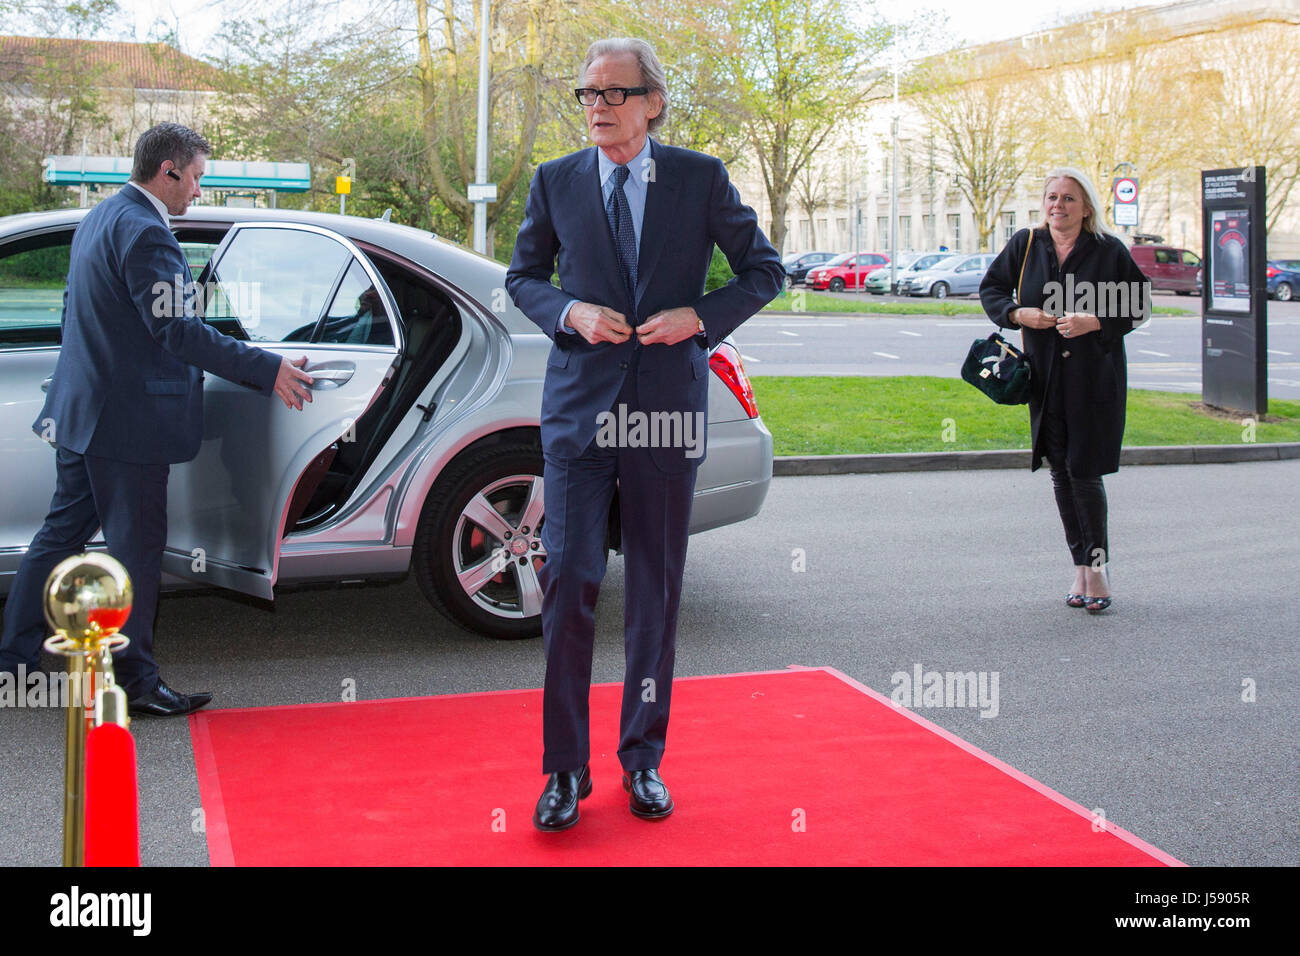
[690, 206]
[127, 384]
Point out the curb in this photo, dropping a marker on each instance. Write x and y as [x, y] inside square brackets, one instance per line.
[785, 465]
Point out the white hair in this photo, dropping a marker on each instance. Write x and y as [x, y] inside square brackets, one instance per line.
[652, 72]
[1093, 217]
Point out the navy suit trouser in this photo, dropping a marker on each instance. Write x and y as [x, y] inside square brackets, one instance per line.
[129, 502]
[655, 513]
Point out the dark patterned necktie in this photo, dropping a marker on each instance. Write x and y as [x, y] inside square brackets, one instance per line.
[620, 226]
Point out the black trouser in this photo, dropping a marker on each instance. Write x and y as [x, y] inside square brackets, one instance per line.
[1081, 501]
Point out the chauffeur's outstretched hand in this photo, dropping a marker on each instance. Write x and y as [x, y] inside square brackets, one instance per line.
[598, 323]
[669, 327]
[291, 382]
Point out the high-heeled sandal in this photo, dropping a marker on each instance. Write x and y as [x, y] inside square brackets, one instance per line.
[1076, 600]
[1096, 605]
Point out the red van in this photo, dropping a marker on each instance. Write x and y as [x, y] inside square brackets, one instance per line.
[1168, 268]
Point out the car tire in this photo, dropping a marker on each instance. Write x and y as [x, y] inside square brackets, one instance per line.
[939, 290]
[468, 562]
[837, 285]
[1284, 292]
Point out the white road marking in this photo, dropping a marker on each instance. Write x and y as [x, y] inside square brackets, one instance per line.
[772, 345]
[885, 355]
[1140, 332]
[962, 325]
[1277, 352]
[1157, 354]
[784, 332]
[905, 332]
[750, 358]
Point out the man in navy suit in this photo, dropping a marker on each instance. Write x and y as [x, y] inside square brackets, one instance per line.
[629, 226]
[126, 401]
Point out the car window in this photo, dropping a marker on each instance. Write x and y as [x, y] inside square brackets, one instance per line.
[1163, 257]
[197, 255]
[33, 275]
[356, 316]
[1191, 258]
[272, 284]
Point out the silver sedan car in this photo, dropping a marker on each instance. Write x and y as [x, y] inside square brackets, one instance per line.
[420, 450]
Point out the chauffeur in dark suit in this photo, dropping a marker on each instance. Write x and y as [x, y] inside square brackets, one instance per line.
[630, 226]
[126, 402]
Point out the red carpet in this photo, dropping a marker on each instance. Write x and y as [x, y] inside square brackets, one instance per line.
[453, 780]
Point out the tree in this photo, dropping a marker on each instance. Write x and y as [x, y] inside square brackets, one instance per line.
[986, 129]
[1246, 89]
[802, 69]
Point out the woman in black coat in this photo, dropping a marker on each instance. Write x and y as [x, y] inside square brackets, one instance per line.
[1073, 290]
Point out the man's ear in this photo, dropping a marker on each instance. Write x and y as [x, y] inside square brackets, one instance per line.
[658, 101]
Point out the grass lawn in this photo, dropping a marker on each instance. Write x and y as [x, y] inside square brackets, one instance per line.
[801, 300]
[813, 415]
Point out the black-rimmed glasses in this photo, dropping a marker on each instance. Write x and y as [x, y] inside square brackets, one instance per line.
[614, 96]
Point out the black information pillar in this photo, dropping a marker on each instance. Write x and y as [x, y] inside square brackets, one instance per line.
[1234, 323]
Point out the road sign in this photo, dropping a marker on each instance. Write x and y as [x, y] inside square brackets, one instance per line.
[342, 185]
[482, 192]
[1125, 190]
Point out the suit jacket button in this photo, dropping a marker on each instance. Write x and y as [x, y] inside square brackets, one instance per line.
[622, 365]
[1065, 354]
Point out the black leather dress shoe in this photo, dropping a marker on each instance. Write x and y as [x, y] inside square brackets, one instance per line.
[162, 701]
[557, 807]
[649, 798]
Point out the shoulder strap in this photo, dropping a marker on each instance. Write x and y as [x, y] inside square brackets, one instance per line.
[1023, 262]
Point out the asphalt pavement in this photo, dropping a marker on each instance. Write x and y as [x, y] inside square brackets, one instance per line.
[1165, 354]
[1174, 713]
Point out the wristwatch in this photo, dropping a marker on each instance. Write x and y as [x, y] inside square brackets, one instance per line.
[699, 326]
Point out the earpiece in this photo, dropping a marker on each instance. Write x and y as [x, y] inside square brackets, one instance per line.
[174, 175]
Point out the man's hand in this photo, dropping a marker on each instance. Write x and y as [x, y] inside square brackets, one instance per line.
[291, 384]
[597, 323]
[669, 327]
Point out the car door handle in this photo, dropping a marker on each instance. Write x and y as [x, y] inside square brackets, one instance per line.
[45, 385]
[331, 374]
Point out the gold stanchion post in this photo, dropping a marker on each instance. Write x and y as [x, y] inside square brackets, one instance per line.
[87, 600]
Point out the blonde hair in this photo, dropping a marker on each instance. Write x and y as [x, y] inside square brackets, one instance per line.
[1093, 220]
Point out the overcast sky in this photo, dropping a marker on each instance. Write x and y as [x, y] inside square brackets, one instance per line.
[968, 21]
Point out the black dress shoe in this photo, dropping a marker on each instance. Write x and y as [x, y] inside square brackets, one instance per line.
[557, 807]
[162, 701]
[649, 798]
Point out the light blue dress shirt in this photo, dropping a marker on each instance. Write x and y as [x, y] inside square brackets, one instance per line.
[641, 171]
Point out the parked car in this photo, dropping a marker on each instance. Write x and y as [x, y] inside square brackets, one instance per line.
[1283, 278]
[953, 275]
[1168, 268]
[878, 283]
[797, 264]
[420, 451]
[844, 271]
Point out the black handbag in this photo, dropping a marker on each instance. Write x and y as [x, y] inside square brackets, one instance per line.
[995, 366]
[998, 369]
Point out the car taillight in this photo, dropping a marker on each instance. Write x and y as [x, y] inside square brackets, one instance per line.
[725, 361]
[1270, 272]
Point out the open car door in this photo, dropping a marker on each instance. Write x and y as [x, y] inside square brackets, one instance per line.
[293, 290]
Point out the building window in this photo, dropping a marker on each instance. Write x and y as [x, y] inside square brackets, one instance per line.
[905, 231]
[954, 230]
[882, 231]
[823, 233]
[842, 227]
[805, 233]
[927, 226]
[1008, 226]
